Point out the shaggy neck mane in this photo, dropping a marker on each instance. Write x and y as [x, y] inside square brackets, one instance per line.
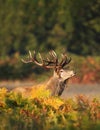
[56, 86]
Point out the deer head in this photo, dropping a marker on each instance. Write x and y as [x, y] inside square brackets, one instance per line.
[57, 83]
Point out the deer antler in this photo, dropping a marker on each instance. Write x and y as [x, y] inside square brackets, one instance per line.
[49, 62]
[64, 60]
[32, 59]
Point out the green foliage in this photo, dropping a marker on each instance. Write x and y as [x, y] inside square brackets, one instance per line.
[44, 25]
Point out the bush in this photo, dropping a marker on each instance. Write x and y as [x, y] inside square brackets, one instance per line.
[48, 113]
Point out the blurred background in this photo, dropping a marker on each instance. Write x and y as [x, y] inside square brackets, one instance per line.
[42, 25]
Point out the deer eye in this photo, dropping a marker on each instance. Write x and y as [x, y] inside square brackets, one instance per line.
[61, 70]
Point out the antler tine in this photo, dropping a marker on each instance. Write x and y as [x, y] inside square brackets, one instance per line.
[24, 61]
[41, 58]
[35, 60]
[30, 54]
[54, 55]
[64, 60]
[67, 62]
[29, 58]
[48, 61]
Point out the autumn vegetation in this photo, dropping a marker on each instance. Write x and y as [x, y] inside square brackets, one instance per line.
[40, 112]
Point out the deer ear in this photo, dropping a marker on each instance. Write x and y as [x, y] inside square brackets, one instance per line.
[57, 71]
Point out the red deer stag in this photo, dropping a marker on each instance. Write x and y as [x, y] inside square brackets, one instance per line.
[58, 81]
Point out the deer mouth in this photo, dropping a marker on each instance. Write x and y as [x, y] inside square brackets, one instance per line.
[73, 74]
